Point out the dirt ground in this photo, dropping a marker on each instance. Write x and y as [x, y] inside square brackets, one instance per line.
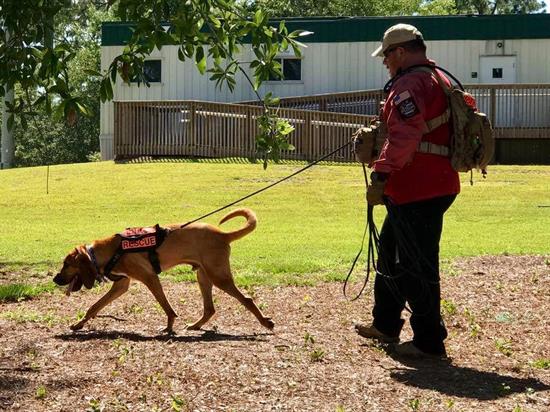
[496, 310]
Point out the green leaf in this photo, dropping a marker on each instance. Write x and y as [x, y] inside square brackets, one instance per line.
[181, 55]
[83, 108]
[200, 60]
[108, 90]
[215, 21]
[257, 83]
[102, 93]
[113, 73]
[258, 17]
[284, 45]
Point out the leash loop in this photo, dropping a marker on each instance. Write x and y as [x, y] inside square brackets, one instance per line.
[372, 246]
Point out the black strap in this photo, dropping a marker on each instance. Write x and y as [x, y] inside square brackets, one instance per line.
[155, 261]
[111, 264]
[390, 83]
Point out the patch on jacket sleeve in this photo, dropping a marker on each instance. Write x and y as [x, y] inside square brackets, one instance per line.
[406, 105]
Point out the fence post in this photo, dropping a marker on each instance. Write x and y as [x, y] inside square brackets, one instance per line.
[193, 124]
[250, 137]
[493, 107]
[116, 127]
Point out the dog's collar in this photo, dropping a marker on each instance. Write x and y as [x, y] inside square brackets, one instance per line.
[91, 253]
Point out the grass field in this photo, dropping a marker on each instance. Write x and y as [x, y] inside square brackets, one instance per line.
[309, 227]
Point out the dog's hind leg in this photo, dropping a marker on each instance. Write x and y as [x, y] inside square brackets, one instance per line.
[119, 287]
[225, 282]
[205, 285]
[154, 285]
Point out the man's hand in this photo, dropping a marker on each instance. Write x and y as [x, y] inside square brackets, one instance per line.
[375, 191]
[363, 144]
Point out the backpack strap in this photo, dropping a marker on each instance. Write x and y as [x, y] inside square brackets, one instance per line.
[432, 124]
[443, 118]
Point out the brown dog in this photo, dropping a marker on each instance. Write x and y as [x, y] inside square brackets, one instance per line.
[201, 245]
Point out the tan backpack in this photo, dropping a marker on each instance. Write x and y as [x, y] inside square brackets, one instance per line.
[472, 139]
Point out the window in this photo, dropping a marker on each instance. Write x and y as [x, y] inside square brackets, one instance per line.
[291, 68]
[152, 71]
[497, 73]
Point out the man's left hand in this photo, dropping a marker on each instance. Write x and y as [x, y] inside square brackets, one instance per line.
[375, 191]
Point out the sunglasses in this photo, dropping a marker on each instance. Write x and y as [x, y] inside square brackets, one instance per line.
[387, 52]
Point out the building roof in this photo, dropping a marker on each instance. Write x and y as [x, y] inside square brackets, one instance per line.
[362, 29]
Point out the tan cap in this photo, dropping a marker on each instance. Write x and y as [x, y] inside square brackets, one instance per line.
[399, 33]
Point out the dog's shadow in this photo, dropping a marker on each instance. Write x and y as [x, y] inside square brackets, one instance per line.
[205, 336]
[450, 379]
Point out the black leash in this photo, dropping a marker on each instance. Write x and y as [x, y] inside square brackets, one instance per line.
[372, 248]
[269, 186]
[373, 251]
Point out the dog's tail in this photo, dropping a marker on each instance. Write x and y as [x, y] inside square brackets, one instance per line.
[246, 229]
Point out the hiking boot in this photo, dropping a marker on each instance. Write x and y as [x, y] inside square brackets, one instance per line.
[370, 332]
[409, 350]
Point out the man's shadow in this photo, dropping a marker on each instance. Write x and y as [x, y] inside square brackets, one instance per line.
[444, 377]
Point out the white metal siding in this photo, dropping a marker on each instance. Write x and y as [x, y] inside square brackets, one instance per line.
[326, 68]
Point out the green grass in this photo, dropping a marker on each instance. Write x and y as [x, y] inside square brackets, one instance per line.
[25, 315]
[543, 363]
[15, 292]
[310, 226]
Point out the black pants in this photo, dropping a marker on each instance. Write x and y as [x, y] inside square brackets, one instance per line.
[408, 272]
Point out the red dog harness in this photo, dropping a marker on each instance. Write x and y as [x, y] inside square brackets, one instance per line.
[133, 240]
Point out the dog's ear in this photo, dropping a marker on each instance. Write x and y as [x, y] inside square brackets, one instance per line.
[86, 270]
[77, 284]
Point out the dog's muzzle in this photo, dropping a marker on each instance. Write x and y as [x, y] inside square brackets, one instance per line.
[60, 281]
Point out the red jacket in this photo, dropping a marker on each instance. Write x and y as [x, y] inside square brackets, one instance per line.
[415, 98]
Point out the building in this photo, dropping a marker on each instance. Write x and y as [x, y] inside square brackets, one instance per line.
[500, 49]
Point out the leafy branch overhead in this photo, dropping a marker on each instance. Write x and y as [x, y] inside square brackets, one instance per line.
[215, 31]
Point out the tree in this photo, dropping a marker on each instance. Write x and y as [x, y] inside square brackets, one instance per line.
[292, 8]
[498, 6]
[45, 139]
[200, 28]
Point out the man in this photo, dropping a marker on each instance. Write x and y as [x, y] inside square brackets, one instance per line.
[414, 178]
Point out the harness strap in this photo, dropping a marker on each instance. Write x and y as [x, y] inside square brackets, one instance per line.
[91, 254]
[155, 261]
[161, 234]
[153, 255]
[111, 264]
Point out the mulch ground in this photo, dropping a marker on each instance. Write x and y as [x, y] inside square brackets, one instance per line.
[496, 310]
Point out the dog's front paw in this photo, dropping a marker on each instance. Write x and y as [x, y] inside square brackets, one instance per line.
[168, 331]
[268, 323]
[78, 326]
[194, 326]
